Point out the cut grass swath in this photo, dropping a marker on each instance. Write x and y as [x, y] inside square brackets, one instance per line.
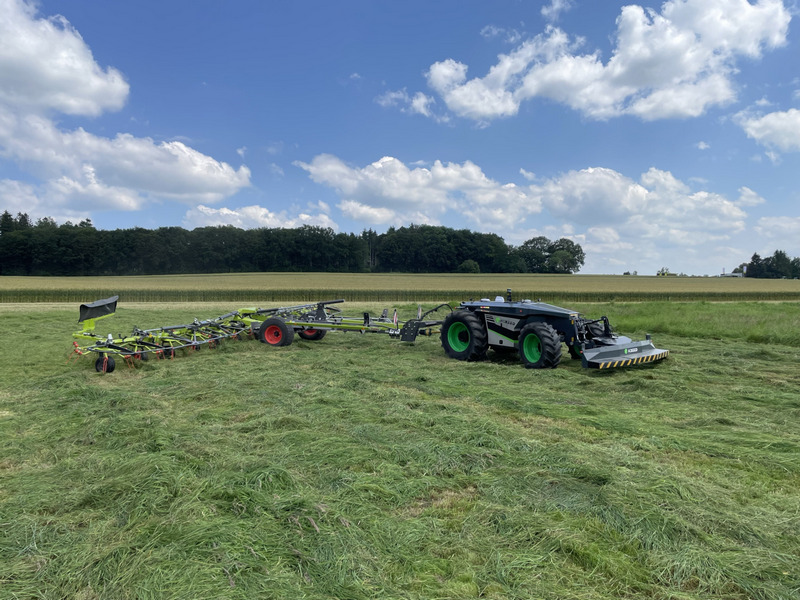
[354, 467]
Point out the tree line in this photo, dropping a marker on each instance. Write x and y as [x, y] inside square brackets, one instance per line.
[47, 248]
[777, 266]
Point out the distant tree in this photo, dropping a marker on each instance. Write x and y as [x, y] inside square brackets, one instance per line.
[541, 255]
[7, 223]
[535, 252]
[47, 248]
[755, 268]
[370, 238]
[778, 265]
[565, 257]
[796, 268]
[469, 266]
[23, 221]
[46, 222]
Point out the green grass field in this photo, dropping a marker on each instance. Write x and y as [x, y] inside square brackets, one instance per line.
[361, 467]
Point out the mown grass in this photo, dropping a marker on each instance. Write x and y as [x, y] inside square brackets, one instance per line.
[372, 287]
[360, 467]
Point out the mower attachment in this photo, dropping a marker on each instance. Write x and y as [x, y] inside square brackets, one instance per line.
[622, 354]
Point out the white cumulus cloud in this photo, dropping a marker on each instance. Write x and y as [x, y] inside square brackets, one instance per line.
[675, 63]
[552, 11]
[46, 66]
[419, 103]
[779, 130]
[658, 206]
[389, 192]
[251, 217]
[780, 233]
[748, 197]
[47, 69]
[618, 219]
[780, 226]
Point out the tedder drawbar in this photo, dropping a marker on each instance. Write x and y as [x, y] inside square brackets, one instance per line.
[535, 330]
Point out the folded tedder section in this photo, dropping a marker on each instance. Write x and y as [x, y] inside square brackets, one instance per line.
[272, 326]
[534, 330]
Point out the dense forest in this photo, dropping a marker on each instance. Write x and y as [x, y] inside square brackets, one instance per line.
[46, 248]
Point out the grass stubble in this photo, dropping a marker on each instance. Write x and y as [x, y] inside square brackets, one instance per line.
[361, 467]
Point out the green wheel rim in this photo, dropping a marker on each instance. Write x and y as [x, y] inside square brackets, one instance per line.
[532, 347]
[458, 337]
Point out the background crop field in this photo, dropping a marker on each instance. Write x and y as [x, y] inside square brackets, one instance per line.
[278, 287]
[361, 467]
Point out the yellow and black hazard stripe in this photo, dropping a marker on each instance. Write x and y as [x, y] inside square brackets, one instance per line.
[626, 362]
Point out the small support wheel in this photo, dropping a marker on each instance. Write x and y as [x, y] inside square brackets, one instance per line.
[312, 334]
[464, 337]
[539, 346]
[575, 351]
[275, 332]
[104, 364]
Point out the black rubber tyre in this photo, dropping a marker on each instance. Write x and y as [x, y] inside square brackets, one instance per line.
[275, 332]
[575, 351]
[312, 334]
[104, 364]
[464, 336]
[539, 346]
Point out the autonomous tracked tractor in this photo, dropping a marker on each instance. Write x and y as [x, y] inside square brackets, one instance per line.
[536, 331]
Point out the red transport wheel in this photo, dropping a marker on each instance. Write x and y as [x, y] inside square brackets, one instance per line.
[275, 332]
[312, 334]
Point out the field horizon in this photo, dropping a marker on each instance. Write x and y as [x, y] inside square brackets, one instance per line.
[393, 286]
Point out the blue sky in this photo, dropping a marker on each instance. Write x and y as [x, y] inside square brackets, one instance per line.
[659, 134]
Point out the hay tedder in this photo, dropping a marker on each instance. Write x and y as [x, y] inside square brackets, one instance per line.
[535, 330]
[272, 326]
